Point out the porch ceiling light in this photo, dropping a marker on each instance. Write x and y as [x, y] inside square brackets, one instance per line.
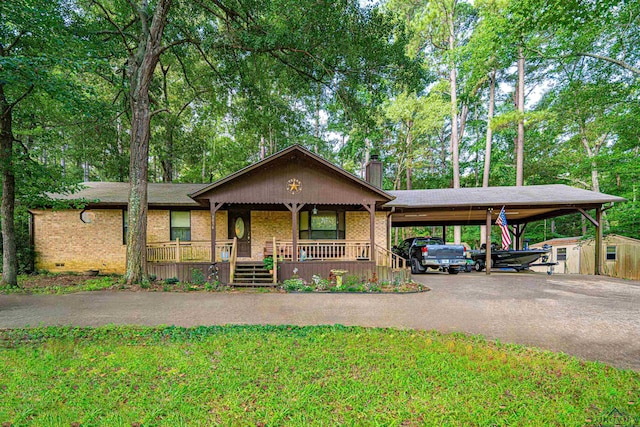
[315, 210]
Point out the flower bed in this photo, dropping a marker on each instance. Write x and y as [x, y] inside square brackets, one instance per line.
[350, 284]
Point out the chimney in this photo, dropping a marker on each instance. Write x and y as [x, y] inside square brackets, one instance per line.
[373, 171]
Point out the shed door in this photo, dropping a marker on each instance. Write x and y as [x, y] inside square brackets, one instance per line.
[240, 227]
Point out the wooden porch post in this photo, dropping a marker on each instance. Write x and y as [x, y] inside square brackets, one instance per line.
[488, 238]
[294, 208]
[213, 209]
[444, 234]
[598, 264]
[371, 208]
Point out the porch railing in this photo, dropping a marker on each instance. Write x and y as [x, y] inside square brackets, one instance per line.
[386, 258]
[196, 251]
[322, 250]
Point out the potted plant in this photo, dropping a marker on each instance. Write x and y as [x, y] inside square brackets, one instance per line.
[267, 262]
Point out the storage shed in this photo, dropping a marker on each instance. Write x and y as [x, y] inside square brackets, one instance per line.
[575, 255]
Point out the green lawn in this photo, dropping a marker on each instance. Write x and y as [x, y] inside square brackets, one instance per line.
[266, 375]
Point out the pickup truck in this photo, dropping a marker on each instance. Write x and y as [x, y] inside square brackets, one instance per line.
[431, 252]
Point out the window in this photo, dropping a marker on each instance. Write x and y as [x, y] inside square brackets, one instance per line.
[181, 225]
[321, 225]
[611, 253]
[561, 255]
[125, 226]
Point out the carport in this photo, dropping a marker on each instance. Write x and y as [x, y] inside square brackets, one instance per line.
[481, 206]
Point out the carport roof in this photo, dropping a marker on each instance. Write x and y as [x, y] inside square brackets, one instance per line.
[451, 206]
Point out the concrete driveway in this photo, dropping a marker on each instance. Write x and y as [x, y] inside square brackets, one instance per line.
[595, 318]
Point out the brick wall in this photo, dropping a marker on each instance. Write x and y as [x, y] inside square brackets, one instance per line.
[222, 228]
[64, 243]
[358, 227]
[158, 228]
[381, 229]
[158, 225]
[200, 225]
[264, 226]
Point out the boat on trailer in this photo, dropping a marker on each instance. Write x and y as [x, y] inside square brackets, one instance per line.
[506, 258]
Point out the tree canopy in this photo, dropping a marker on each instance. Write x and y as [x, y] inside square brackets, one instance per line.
[191, 91]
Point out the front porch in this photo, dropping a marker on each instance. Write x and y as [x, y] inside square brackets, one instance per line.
[313, 257]
[307, 250]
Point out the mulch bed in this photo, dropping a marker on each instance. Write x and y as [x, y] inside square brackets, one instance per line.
[60, 281]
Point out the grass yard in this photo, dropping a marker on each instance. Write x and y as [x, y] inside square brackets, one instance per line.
[51, 283]
[268, 375]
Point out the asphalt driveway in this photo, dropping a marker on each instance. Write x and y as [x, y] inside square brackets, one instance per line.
[595, 318]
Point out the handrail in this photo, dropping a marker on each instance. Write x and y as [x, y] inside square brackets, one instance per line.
[389, 259]
[233, 259]
[275, 263]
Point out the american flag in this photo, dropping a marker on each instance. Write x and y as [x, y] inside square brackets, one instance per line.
[502, 222]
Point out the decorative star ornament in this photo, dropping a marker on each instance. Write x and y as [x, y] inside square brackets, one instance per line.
[294, 186]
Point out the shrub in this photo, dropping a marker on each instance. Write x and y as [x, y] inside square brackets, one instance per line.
[351, 281]
[293, 284]
[319, 283]
[197, 277]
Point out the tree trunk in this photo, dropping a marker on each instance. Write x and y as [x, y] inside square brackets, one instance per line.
[455, 150]
[9, 255]
[166, 158]
[520, 139]
[263, 148]
[489, 140]
[488, 144]
[142, 65]
[409, 155]
[454, 119]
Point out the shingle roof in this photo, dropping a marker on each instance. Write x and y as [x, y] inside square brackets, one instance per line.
[560, 241]
[555, 194]
[117, 193]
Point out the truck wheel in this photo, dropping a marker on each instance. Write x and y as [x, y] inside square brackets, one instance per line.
[453, 270]
[414, 266]
[478, 266]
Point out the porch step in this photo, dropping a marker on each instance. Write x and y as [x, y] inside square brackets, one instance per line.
[252, 274]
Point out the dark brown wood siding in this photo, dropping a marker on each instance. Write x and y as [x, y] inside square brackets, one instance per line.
[184, 271]
[362, 269]
[307, 269]
[269, 184]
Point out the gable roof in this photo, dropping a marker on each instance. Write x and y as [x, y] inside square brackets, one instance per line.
[117, 194]
[283, 153]
[468, 206]
[554, 194]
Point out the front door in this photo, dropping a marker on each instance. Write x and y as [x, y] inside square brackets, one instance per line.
[240, 227]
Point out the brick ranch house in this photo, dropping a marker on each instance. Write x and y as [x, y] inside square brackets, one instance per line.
[317, 216]
[310, 215]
